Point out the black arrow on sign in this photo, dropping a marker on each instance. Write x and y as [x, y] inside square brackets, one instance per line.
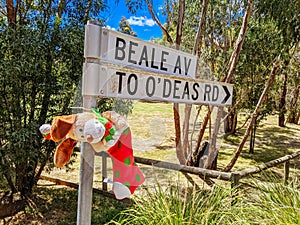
[227, 94]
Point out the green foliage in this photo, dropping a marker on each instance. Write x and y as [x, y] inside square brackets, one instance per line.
[125, 28]
[40, 68]
[134, 5]
[273, 30]
[122, 106]
[285, 14]
[222, 24]
[174, 205]
[253, 70]
[269, 202]
[274, 203]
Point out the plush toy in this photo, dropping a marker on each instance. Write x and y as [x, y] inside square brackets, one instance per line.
[109, 131]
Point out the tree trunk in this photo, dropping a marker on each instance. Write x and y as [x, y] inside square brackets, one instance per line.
[181, 10]
[49, 66]
[179, 148]
[297, 117]
[11, 13]
[202, 129]
[185, 132]
[154, 17]
[212, 152]
[232, 63]
[196, 51]
[252, 138]
[292, 118]
[237, 50]
[230, 122]
[282, 109]
[199, 35]
[254, 115]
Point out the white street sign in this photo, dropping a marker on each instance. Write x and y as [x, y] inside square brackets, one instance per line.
[123, 82]
[125, 50]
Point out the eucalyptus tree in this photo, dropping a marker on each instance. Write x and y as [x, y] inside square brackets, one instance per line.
[286, 38]
[223, 20]
[260, 49]
[41, 50]
[124, 27]
[285, 15]
[294, 86]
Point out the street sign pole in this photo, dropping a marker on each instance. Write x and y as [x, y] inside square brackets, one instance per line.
[87, 154]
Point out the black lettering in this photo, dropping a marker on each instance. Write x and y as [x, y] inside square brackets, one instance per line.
[194, 97]
[176, 88]
[207, 90]
[132, 92]
[120, 49]
[215, 93]
[187, 66]
[144, 56]
[120, 80]
[148, 92]
[166, 93]
[131, 52]
[162, 60]
[177, 65]
[152, 59]
[186, 91]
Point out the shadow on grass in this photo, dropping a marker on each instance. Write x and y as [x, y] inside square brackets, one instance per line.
[272, 143]
[57, 205]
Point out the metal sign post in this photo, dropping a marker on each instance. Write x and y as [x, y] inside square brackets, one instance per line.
[87, 154]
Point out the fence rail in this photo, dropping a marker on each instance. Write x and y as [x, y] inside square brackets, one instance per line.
[233, 177]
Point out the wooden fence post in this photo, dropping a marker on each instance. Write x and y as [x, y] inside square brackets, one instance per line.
[104, 170]
[286, 171]
[235, 180]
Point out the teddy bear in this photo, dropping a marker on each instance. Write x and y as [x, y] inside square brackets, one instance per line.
[108, 131]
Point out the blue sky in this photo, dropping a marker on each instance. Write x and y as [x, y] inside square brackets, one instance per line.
[141, 23]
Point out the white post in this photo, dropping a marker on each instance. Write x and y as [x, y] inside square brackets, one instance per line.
[90, 78]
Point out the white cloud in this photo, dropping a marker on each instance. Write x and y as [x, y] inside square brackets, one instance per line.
[110, 28]
[141, 21]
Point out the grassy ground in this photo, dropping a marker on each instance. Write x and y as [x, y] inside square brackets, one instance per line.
[153, 137]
